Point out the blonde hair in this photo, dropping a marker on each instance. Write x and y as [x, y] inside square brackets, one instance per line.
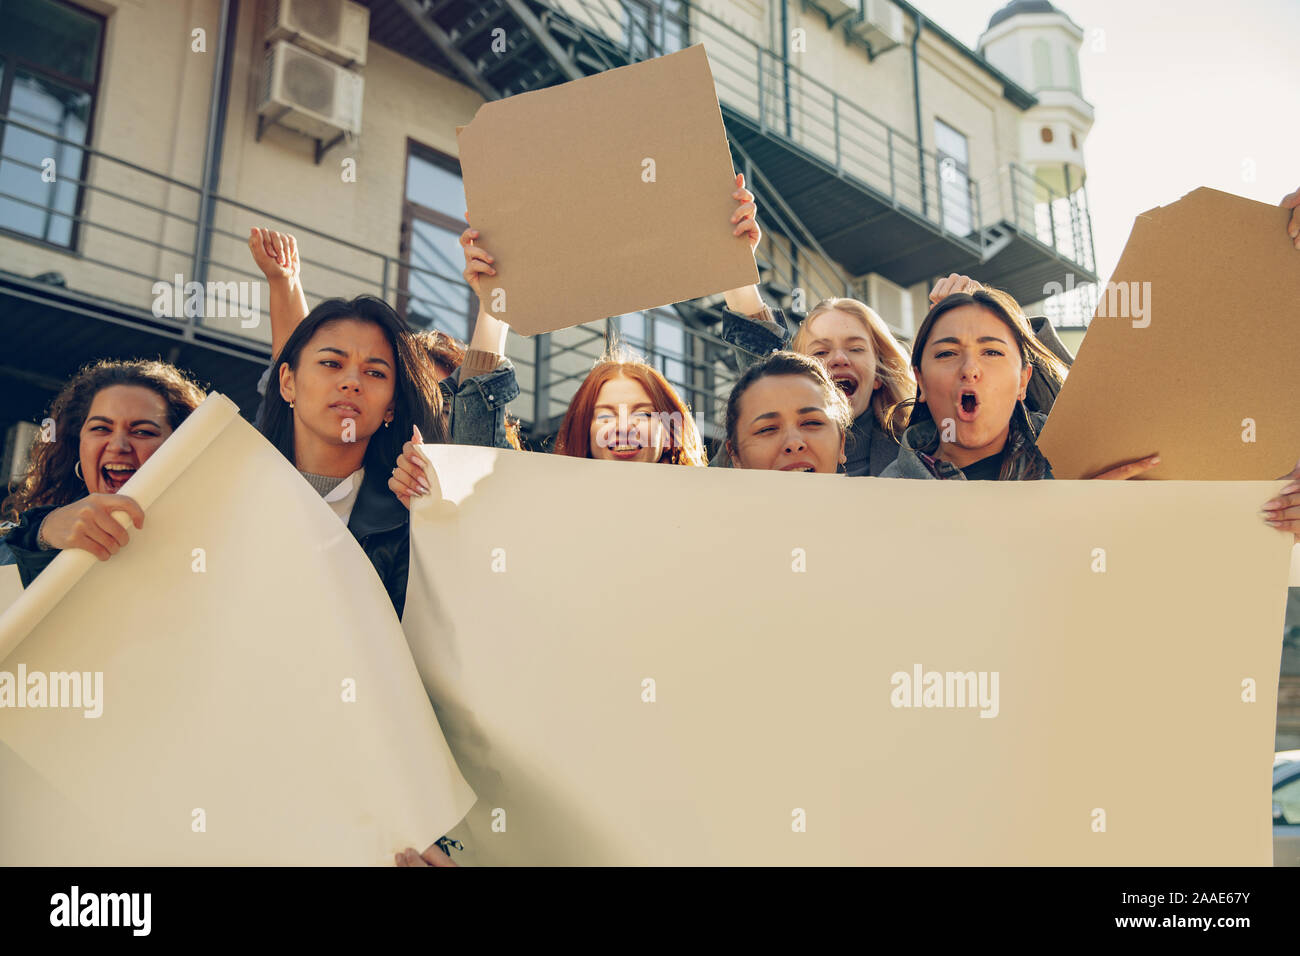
[893, 366]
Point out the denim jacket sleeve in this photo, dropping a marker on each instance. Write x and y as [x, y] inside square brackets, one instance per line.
[752, 339]
[478, 405]
[30, 557]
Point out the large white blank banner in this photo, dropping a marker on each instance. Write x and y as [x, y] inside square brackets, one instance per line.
[257, 702]
[642, 664]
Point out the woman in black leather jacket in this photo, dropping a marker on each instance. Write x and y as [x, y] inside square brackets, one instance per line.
[351, 388]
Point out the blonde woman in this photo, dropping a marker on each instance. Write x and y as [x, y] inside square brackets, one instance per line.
[861, 356]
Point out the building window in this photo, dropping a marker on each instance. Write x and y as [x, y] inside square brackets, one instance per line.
[1072, 62]
[432, 290]
[1074, 141]
[953, 154]
[654, 27]
[660, 336]
[1046, 134]
[1042, 55]
[49, 71]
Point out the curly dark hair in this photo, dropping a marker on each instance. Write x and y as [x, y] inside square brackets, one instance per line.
[50, 478]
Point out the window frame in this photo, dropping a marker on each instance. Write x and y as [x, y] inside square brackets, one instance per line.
[656, 21]
[411, 211]
[963, 170]
[689, 391]
[8, 62]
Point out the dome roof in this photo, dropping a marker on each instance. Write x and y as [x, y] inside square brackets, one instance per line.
[1021, 6]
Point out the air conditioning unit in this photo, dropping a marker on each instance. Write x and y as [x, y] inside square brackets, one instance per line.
[880, 24]
[18, 444]
[337, 29]
[309, 94]
[837, 10]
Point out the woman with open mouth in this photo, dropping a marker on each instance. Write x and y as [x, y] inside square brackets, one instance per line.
[624, 410]
[974, 357]
[120, 413]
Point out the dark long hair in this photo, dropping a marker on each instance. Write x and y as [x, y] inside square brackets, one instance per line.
[1007, 310]
[50, 478]
[416, 398]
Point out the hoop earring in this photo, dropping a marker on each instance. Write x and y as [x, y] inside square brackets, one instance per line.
[386, 424]
[291, 404]
[76, 470]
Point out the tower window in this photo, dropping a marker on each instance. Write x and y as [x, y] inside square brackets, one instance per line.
[1042, 64]
[1046, 133]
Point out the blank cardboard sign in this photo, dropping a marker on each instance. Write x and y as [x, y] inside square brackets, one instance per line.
[1193, 353]
[605, 195]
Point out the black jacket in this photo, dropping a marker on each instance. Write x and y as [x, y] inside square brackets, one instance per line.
[29, 557]
[382, 526]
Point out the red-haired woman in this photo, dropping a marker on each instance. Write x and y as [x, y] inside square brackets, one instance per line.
[625, 410]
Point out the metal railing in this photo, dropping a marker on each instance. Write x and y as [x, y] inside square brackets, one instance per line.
[788, 103]
[135, 229]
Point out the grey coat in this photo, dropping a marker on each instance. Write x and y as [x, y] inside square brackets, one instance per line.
[1023, 460]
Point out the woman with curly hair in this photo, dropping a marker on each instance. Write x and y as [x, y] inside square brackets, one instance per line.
[107, 420]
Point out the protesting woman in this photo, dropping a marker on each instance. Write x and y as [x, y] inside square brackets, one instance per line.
[352, 383]
[786, 414]
[861, 355]
[475, 384]
[624, 410]
[974, 357]
[107, 421]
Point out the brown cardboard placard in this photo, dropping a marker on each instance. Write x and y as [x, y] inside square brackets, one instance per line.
[1201, 364]
[582, 227]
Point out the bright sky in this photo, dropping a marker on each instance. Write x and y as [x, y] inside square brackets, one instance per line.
[1187, 94]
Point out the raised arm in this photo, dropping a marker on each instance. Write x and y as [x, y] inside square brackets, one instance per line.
[749, 327]
[276, 254]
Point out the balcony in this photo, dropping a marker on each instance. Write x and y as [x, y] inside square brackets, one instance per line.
[852, 187]
[135, 230]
